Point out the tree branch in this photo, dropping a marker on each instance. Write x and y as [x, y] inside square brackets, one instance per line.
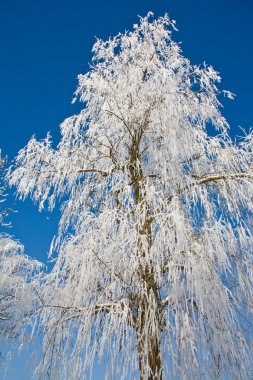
[103, 174]
[202, 181]
[215, 178]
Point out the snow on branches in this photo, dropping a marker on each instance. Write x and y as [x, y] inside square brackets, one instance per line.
[16, 271]
[154, 264]
[16, 293]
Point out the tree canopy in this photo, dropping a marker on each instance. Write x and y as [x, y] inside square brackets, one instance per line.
[154, 250]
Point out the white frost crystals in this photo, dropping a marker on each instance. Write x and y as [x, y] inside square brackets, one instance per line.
[16, 272]
[154, 264]
[16, 294]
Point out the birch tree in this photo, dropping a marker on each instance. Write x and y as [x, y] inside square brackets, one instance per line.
[16, 293]
[16, 270]
[154, 249]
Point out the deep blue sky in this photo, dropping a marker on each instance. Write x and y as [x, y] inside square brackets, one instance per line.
[46, 44]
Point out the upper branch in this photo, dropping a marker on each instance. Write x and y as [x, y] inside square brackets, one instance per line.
[202, 181]
[214, 178]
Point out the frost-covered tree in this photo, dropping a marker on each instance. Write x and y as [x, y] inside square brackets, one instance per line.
[16, 270]
[154, 251]
[3, 210]
[16, 292]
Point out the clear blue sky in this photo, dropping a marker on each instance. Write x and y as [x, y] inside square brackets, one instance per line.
[46, 44]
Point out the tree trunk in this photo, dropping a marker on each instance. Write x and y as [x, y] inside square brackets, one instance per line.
[152, 359]
[148, 331]
[148, 336]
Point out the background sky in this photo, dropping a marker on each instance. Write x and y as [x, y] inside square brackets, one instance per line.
[45, 44]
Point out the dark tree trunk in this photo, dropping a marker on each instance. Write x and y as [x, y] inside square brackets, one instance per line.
[153, 360]
[149, 339]
[149, 345]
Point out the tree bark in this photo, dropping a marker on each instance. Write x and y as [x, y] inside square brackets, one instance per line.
[152, 359]
[148, 332]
